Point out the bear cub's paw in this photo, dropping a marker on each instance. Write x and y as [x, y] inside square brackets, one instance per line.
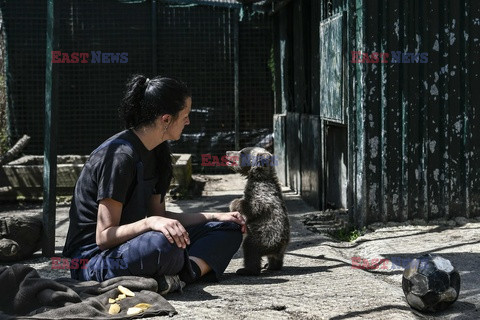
[247, 272]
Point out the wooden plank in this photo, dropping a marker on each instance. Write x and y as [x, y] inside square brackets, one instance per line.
[335, 166]
[415, 184]
[331, 69]
[299, 87]
[350, 106]
[279, 147]
[455, 113]
[314, 54]
[293, 150]
[389, 97]
[285, 65]
[443, 106]
[435, 142]
[277, 81]
[395, 113]
[473, 95]
[374, 139]
[307, 53]
[311, 163]
[357, 133]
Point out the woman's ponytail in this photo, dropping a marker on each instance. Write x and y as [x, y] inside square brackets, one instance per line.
[146, 99]
[133, 101]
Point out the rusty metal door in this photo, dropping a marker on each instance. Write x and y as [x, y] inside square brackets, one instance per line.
[332, 110]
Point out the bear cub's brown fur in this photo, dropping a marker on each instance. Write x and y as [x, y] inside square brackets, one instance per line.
[262, 205]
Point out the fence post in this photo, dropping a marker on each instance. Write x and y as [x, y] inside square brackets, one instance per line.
[236, 76]
[50, 138]
[154, 37]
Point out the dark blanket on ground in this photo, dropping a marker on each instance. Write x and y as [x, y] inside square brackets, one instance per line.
[25, 295]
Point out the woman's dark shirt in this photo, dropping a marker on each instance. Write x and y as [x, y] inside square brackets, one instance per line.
[110, 172]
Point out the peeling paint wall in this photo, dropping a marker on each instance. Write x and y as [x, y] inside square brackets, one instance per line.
[413, 128]
[417, 137]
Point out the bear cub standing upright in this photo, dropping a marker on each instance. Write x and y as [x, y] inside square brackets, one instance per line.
[262, 205]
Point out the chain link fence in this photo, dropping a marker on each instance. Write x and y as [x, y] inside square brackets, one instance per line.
[191, 42]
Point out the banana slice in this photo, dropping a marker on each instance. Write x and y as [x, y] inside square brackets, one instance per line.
[114, 308]
[110, 300]
[126, 291]
[121, 296]
[143, 306]
[134, 310]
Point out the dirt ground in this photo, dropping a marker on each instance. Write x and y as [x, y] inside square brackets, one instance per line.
[318, 280]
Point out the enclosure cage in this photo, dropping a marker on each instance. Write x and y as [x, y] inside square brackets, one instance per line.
[215, 47]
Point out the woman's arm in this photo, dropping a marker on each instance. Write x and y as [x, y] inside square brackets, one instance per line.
[157, 208]
[109, 234]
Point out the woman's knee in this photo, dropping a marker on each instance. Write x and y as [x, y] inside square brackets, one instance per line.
[237, 237]
[232, 238]
[155, 241]
[153, 246]
[231, 231]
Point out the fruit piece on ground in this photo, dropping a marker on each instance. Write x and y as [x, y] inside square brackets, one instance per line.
[126, 291]
[143, 306]
[114, 308]
[133, 311]
[121, 296]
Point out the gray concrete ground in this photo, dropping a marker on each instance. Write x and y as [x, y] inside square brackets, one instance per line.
[318, 281]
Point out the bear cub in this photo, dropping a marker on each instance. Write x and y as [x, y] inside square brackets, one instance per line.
[262, 205]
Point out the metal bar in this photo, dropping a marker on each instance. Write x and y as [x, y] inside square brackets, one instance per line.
[299, 90]
[277, 94]
[154, 37]
[6, 73]
[350, 114]
[409, 127]
[310, 166]
[464, 25]
[444, 106]
[424, 116]
[314, 53]
[374, 140]
[360, 206]
[284, 62]
[473, 94]
[50, 142]
[236, 76]
[455, 114]
[191, 3]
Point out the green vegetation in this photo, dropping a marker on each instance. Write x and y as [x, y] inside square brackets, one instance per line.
[347, 234]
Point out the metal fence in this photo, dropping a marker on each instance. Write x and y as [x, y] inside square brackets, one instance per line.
[191, 42]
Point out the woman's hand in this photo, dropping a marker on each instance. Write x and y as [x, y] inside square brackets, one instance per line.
[233, 216]
[171, 228]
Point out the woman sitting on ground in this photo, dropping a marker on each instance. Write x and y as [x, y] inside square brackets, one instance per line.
[118, 219]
